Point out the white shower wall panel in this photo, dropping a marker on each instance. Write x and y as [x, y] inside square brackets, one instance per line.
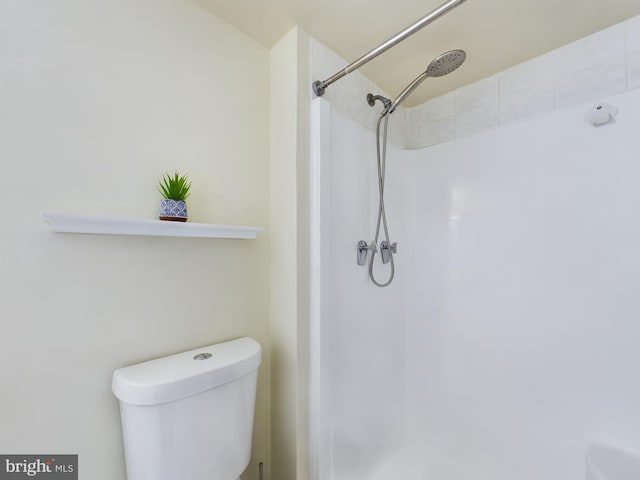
[361, 325]
[522, 340]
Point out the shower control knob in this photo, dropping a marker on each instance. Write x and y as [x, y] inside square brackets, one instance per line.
[363, 250]
[387, 249]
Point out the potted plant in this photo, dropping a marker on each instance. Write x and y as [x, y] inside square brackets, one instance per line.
[175, 189]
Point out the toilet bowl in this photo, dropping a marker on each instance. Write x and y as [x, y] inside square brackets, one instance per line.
[189, 416]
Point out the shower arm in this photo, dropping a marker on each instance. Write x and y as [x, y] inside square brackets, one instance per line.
[319, 87]
[407, 91]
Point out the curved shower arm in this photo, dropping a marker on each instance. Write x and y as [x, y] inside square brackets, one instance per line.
[408, 91]
[319, 87]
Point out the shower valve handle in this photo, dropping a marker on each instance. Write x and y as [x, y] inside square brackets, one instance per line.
[387, 249]
[363, 250]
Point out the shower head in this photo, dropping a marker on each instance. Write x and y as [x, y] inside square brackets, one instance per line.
[446, 63]
[439, 66]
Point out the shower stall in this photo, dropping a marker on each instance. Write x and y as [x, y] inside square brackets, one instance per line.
[509, 337]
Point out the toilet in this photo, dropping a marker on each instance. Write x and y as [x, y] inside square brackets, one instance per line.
[189, 416]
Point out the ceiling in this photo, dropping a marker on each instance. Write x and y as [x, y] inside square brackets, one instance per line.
[497, 34]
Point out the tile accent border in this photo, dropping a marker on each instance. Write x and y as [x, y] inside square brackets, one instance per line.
[600, 65]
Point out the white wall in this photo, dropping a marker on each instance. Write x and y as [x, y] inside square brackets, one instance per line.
[289, 254]
[99, 98]
[359, 361]
[283, 253]
[510, 339]
[520, 342]
[524, 337]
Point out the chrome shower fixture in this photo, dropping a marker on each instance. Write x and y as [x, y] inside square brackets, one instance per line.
[371, 100]
[439, 66]
[446, 63]
[386, 249]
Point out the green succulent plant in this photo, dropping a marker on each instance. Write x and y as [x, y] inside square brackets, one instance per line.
[174, 187]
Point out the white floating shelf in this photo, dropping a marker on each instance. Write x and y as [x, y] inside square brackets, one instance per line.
[62, 223]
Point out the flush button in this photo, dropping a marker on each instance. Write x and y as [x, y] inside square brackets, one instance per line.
[202, 356]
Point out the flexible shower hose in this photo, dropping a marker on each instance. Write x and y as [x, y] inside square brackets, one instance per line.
[381, 150]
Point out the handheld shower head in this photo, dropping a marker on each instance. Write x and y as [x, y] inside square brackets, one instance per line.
[439, 66]
[446, 63]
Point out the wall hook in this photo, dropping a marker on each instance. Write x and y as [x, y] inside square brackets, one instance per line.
[600, 114]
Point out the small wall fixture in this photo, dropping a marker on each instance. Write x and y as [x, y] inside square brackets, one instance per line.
[600, 114]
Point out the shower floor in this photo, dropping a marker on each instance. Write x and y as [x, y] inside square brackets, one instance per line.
[407, 463]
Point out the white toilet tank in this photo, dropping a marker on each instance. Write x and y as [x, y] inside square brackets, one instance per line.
[189, 416]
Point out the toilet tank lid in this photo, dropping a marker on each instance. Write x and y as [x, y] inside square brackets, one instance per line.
[178, 376]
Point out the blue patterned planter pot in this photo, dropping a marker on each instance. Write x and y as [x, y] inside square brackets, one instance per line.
[173, 210]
